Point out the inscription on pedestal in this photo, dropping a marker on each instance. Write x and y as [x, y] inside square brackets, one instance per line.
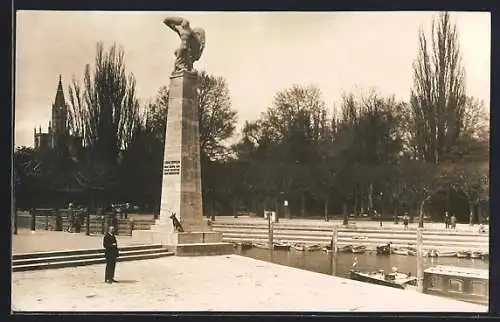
[172, 167]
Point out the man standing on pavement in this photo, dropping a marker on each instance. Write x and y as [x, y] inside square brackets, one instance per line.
[446, 220]
[111, 253]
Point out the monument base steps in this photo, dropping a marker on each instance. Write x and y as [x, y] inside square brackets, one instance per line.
[198, 243]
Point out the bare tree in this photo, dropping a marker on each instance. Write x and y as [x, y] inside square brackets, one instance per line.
[438, 101]
[105, 110]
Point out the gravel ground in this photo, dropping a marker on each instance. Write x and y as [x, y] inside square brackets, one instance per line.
[215, 283]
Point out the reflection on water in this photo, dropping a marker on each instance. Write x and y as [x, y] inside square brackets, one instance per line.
[322, 262]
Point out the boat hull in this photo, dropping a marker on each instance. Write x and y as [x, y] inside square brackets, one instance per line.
[447, 254]
[475, 255]
[363, 278]
[384, 250]
[280, 246]
[358, 249]
[346, 249]
[463, 254]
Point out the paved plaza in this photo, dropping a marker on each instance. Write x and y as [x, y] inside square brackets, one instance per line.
[216, 283]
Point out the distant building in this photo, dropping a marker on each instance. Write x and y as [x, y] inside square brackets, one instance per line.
[58, 136]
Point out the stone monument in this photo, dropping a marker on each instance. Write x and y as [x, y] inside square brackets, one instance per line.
[181, 226]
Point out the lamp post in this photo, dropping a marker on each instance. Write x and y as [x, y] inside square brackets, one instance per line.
[13, 207]
[282, 194]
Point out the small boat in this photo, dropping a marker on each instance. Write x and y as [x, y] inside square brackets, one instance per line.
[260, 245]
[360, 237]
[313, 248]
[346, 249]
[246, 245]
[281, 246]
[475, 254]
[401, 251]
[301, 247]
[384, 249]
[432, 253]
[394, 279]
[358, 249]
[446, 254]
[463, 254]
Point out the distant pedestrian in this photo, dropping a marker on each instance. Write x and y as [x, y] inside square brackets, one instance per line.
[446, 220]
[111, 254]
[453, 221]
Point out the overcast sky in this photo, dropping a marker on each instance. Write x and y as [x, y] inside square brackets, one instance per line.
[257, 53]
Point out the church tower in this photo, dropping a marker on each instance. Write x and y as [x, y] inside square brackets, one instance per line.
[59, 129]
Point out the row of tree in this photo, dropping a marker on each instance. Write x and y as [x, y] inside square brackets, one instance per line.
[370, 153]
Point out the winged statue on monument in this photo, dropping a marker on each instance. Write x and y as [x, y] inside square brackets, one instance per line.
[192, 43]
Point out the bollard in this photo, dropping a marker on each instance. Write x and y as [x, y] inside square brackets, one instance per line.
[335, 237]
[115, 223]
[15, 220]
[33, 219]
[58, 221]
[270, 232]
[103, 224]
[420, 261]
[78, 222]
[131, 225]
[87, 223]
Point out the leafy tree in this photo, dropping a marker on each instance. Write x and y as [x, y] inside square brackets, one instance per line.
[216, 116]
[27, 176]
[472, 180]
[156, 114]
[369, 139]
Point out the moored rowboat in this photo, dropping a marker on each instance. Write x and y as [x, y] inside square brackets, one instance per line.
[346, 249]
[463, 254]
[358, 249]
[313, 248]
[301, 247]
[281, 246]
[401, 251]
[395, 279]
[446, 254]
[475, 254]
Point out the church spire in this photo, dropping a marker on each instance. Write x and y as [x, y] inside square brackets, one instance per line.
[59, 101]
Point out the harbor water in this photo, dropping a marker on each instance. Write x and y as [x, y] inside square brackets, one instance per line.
[341, 264]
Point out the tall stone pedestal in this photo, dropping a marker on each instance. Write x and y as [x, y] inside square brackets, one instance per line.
[181, 183]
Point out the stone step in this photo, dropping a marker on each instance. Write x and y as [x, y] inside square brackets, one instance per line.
[84, 262]
[239, 227]
[204, 249]
[378, 234]
[372, 243]
[377, 238]
[97, 254]
[82, 251]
